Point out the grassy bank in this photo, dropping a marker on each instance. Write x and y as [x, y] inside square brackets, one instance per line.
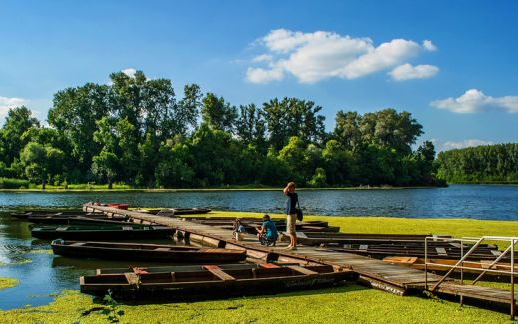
[393, 225]
[347, 304]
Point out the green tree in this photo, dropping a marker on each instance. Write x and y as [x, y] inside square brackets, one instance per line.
[293, 117]
[213, 160]
[390, 129]
[338, 164]
[251, 127]
[18, 121]
[319, 178]
[347, 130]
[74, 115]
[174, 166]
[425, 156]
[218, 114]
[41, 162]
[293, 155]
[188, 108]
[106, 164]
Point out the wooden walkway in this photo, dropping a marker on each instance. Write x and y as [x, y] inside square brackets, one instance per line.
[378, 274]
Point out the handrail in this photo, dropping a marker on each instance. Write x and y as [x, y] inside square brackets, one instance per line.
[493, 264]
[460, 263]
[457, 264]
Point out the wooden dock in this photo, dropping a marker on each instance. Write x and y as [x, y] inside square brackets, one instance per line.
[378, 274]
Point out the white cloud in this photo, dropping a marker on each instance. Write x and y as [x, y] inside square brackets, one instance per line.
[6, 103]
[474, 100]
[429, 46]
[258, 75]
[262, 58]
[129, 72]
[450, 145]
[312, 57]
[408, 72]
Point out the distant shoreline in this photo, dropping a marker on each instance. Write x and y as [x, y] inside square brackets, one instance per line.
[51, 190]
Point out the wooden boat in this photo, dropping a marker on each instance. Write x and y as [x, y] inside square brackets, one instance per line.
[174, 268]
[406, 249]
[40, 214]
[190, 211]
[112, 232]
[176, 211]
[318, 238]
[145, 252]
[214, 281]
[443, 265]
[81, 220]
[250, 223]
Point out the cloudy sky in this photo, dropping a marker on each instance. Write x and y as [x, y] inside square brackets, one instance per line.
[452, 64]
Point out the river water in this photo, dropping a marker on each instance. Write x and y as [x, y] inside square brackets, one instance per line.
[42, 275]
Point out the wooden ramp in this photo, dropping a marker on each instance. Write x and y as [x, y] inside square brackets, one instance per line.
[476, 292]
[378, 274]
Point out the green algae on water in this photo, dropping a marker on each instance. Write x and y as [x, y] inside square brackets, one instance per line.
[8, 283]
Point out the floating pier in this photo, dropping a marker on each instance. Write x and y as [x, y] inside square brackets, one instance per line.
[378, 274]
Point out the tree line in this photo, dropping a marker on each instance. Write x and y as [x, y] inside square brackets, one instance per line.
[491, 163]
[136, 131]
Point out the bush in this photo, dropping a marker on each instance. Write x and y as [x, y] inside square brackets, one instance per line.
[8, 183]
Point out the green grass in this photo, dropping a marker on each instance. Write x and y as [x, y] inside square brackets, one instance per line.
[392, 225]
[347, 304]
[8, 183]
[8, 283]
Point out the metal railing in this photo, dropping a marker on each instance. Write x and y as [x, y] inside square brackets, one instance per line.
[462, 264]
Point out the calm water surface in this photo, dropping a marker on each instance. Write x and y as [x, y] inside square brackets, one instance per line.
[42, 275]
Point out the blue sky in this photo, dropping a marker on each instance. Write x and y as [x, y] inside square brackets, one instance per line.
[452, 64]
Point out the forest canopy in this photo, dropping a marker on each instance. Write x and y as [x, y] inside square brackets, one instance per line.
[482, 164]
[137, 131]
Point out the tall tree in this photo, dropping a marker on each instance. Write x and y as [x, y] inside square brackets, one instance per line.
[347, 130]
[390, 129]
[174, 166]
[41, 162]
[218, 114]
[251, 127]
[293, 117]
[106, 164]
[74, 114]
[18, 121]
[188, 108]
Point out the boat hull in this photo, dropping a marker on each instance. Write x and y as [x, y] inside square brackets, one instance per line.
[145, 252]
[102, 233]
[205, 285]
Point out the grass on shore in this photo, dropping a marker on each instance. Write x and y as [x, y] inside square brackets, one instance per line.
[392, 225]
[347, 304]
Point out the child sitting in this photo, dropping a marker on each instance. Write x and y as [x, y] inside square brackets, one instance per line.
[267, 233]
[238, 230]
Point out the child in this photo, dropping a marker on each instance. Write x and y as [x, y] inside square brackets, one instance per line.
[267, 233]
[238, 229]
